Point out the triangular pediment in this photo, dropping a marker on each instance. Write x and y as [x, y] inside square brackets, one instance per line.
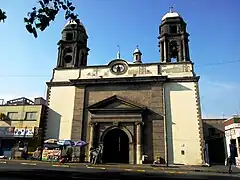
[116, 103]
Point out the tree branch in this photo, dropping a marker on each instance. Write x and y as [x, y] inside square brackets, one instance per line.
[3, 16]
[41, 17]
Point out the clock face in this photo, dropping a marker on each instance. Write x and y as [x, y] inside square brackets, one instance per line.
[118, 68]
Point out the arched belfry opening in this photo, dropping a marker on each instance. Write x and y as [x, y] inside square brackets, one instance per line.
[115, 146]
[174, 51]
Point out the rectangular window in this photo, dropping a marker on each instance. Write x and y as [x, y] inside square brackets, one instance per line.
[13, 115]
[31, 116]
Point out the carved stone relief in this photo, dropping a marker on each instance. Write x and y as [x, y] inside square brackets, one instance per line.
[175, 68]
[94, 72]
[140, 70]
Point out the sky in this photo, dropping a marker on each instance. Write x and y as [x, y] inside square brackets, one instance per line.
[27, 63]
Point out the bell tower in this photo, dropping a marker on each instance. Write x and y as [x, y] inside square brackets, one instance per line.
[72, 48]
[173, 38]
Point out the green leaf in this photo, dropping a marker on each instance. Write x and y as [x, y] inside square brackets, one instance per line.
[69, 3]
[34, 32]
[26, 20]
[38, 25]
[41, 3]
[72, 8]
[46, 1]
[2, 15]
[77, 21]
[29, 28]
[64, 7]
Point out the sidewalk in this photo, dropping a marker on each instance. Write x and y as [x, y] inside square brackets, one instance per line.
[130, 167]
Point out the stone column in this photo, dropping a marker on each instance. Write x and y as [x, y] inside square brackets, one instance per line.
[60, 58]
[91, 134]
[139, 143]
[187, 51]
[184, 49]
[165, 51]
[161, 51]
[179, 51]
[131, 153]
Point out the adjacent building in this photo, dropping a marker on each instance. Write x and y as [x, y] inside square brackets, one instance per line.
[232, 133]
[214, 136]
[131, 107]
[22, 120]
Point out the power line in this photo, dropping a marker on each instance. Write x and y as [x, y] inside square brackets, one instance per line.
[26, 76]
[219, 63]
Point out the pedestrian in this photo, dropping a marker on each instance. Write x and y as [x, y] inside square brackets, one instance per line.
[69, 153]
[231, 161]
[94, 156]
[100, 154]
[91, 154]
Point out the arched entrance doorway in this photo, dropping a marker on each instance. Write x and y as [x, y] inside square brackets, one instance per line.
[116, 147]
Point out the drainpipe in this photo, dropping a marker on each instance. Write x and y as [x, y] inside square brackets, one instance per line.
[165, 126]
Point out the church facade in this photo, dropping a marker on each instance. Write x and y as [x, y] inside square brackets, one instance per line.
[132, 108]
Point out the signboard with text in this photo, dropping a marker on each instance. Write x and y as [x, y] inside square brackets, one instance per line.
[16, 132]
[24, 132]
[51, 155]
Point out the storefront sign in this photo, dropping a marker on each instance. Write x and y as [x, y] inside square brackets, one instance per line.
[234, 125]
[16, 132]
[51, 155]
[6, 131]
[24, 132]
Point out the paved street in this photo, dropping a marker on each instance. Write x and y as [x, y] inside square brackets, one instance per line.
[29, 171]
[126, 167]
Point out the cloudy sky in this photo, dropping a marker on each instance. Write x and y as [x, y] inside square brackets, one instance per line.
[27, 63]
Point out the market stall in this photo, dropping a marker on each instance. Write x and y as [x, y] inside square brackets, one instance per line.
[60, 150]
[51, 150]
[77, 150]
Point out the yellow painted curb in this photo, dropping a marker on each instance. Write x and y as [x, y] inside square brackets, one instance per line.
[128, 169]
[56, 165]
[31, 164]
[141, 170]
[175, 172]
[91, 167]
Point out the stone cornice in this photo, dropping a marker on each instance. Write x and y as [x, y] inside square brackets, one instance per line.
[59, 83]
[123, 80]
[117, 110]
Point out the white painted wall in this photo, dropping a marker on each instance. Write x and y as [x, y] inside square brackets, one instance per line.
[65, 75]
[232, 131]
[60, 116]
[182, 122]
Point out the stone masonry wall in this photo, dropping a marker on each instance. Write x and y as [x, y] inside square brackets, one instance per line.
[149, 95]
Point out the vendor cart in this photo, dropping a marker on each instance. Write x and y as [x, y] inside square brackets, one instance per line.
[51, 152]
